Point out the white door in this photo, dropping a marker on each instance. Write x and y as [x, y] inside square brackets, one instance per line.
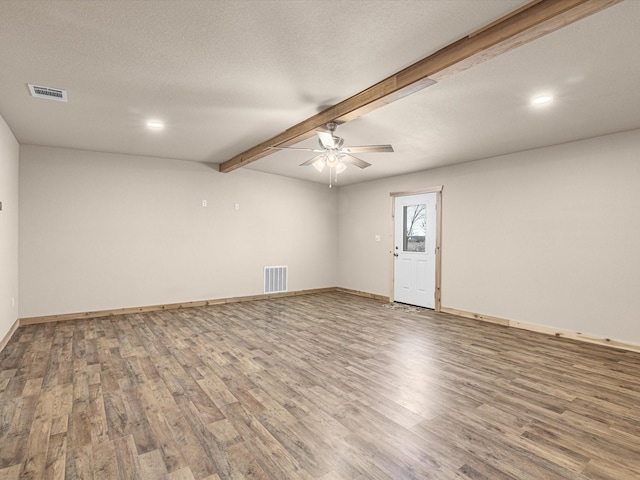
[414, 273]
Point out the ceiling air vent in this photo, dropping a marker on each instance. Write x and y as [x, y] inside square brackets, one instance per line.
[48, 93]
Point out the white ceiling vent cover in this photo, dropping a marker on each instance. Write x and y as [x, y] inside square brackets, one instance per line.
[275, 279]
[48, 93]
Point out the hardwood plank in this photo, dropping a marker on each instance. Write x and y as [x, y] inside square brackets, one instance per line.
[117, 415]
[105, 462]
[328, 386]
[79, 463]
[127, 458]
[603, 469]
[199, 461]
[35, 461]
[169, 447]
[243, 464]
[56, 457]
[79, 430]
[10, 473]
[183, 474]
[16, 429]
[269, 452]
[152, 465]
[144, 439]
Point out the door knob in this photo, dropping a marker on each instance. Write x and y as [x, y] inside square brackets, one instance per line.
[395, 254]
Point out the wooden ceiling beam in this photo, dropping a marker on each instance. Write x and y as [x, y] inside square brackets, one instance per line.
[521, 26]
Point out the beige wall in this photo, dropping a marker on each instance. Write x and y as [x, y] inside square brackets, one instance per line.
[548, 236]
[8, 229]
[103, 231]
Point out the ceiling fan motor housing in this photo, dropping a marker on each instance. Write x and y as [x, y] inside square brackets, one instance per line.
[337, 141]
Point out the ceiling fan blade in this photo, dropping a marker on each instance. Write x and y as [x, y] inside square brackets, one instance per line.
[326, 139]
[367, 149]
[311, 160]
[354, 161]
[297, 148]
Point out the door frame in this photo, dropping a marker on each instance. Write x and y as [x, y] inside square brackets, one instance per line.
[438, 191]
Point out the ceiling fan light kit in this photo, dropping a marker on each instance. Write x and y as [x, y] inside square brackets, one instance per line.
[334, 155]
[319, 165]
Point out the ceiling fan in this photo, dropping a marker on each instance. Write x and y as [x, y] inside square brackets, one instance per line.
[333, 154]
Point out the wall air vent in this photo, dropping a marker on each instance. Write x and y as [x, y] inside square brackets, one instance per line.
[275, 279]
[48, 93]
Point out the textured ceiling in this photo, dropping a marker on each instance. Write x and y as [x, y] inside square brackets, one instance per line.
[225, 75]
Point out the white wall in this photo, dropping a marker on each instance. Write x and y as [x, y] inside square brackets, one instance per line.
[8, 229]
[104, 231]
[548, 236]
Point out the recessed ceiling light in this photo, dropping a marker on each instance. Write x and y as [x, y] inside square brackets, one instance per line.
[542, 99]
[154, 124]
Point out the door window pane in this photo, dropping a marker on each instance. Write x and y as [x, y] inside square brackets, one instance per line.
[415, 228]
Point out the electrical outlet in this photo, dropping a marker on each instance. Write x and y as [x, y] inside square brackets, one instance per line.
[204, 203]
[377, 238]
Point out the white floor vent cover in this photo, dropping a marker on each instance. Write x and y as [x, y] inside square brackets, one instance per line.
[275, 279]
[48, 93]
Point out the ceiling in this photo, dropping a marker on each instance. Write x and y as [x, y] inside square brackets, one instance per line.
[226, 75]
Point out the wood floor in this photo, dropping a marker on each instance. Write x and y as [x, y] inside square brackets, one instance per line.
[327, 386]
